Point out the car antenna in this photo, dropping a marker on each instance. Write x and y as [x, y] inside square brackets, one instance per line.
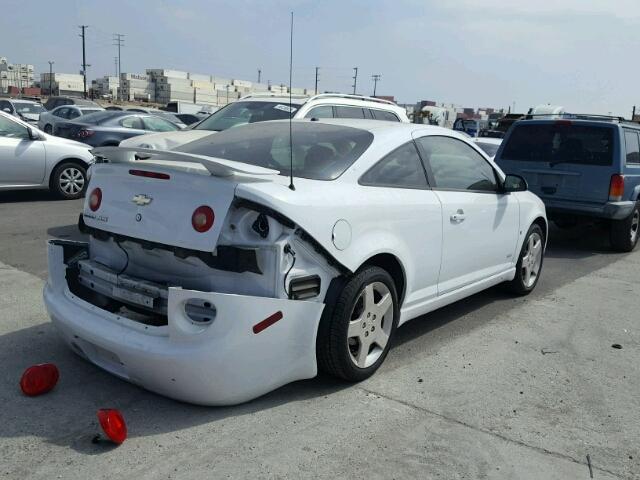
[290, 108]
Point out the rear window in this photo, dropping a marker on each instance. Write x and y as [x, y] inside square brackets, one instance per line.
[560, 143]
[320, 151]
[240, 113]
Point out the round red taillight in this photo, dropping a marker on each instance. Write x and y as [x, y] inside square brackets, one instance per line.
[202, 219]
[39, 379]
[113, 424]
[95, 199]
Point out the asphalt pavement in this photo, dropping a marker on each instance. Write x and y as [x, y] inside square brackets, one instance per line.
[490, 387]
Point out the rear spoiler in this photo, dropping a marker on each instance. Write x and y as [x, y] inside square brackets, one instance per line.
[218, 167]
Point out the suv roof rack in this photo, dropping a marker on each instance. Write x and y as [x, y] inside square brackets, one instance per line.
[353, 97]
[573, 116]
[272, 94]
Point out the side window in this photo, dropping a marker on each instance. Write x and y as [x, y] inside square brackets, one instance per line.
[457, 166]
[132, 122]
[323, 111]
[387, 116]
[61, 112]
[349, 112]
[74, 113]
[401, 168]
[5, 106]
[633, 148]
[156, 124]
[9, 129]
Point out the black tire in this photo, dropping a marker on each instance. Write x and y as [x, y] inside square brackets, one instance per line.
[333, 346]
[623, 234]
[521, 284]
[48, 129]
[75, 187]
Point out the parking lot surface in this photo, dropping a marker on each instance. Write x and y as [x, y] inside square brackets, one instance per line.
[490, 387]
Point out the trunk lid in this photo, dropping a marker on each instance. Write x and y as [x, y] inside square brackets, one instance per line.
[154, 200]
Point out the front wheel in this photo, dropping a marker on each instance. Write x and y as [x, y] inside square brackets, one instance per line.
[69, 180]
[529, 264]
[624, 233]
[355, 335]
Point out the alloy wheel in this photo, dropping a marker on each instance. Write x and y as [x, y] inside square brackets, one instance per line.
[531, 260]
[370, 324]
[71, 181]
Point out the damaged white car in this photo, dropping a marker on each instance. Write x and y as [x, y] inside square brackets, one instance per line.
[213, 277]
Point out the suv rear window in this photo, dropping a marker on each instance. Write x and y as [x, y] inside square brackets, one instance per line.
[560, 143]
[320, 151]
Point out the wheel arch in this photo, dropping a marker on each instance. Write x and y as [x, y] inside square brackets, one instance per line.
[544, 225]
[392, 265]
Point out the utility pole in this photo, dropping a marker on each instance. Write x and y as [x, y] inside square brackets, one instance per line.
[633, 113]
[51, 77]
[259, 75]
[115, 61]
[227, 94]
[317, 69]
[355, 79]
[376, 79]
[84, 60]
[118, 38]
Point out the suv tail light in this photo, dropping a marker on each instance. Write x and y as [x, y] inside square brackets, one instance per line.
[95, 199]
[202, 218]
[616, 188]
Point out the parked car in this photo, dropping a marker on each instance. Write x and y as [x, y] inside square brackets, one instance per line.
[49, 120]
[583, 167]
[238, 278]
[32, 159]
[170, 117]
[500, 127]
[24, 109]
[54, 102]
[471, 127]
[111, 127]
[114, 107]
[260, 108]
[488, 145]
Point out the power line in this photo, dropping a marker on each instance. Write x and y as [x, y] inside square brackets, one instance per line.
[118, 38]
[84, 59]
[355, 79]
[376, 78]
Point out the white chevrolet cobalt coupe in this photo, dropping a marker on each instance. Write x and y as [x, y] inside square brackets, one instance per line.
[212, 277]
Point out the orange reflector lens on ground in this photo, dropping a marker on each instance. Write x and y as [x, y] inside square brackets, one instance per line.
[113, 424]
[267, 322]
[39, 379]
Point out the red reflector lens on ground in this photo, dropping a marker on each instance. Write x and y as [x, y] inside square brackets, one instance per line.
[616, 187]
[39, 379]
[267, 322]
[95, 199]
[148, 174]
[202, 219]
[113, 424]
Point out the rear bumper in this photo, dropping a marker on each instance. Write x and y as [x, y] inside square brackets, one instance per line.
[609, 210]
[224, 363]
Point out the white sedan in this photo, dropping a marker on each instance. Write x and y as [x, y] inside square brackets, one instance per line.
[32, 159]
[212, 276]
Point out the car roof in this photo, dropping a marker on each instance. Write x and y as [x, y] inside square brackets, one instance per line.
[20, 100]
[494, 141]
[327, 99]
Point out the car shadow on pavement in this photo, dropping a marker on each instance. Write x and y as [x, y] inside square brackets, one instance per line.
[67, 232]
[16, 196]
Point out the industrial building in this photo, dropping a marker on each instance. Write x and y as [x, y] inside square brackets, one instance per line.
[17, 75]
[62, 84]
[105, 87]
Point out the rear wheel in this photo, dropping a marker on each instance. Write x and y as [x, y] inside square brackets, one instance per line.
[624, 233]
[529, 264]
[69, 180]
[355, 335]
[48, 129]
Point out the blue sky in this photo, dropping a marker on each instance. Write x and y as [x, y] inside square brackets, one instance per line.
[578, 53]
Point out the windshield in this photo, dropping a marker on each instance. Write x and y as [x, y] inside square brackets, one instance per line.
[560, 143]
[240, 113]
[25, 107]
[320, 151]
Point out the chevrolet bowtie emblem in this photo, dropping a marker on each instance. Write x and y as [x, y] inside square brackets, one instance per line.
[141, 199]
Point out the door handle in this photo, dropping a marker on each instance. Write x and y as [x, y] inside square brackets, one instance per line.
[457, 217]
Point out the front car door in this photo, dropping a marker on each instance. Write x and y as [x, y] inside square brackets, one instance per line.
[480, 225]
[22, 160]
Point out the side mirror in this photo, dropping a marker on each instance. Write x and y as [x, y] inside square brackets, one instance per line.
[33, 135]
[514, 183]
[6, 109]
